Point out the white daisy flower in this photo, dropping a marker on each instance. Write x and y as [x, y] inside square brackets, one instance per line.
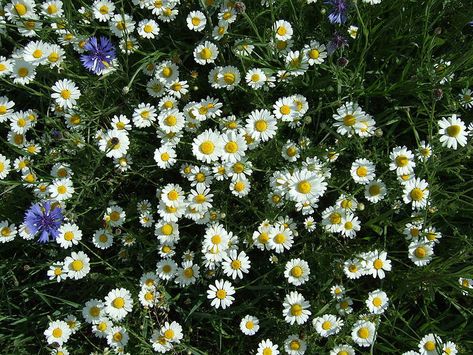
[69, 235]
[420, 252]
[57, 332]
[297, 271]
[77, 265]
[282, 30]
[196, 21]
[118, 303]
[266, 347]
[221, 294]
[327, 325]
[207, 146]
[363, 333]
[235, 264]
[205, 53]
[416, 192]
[296, 308]
[362, 171]
[453, 132]
[249, 325]
[377, 302]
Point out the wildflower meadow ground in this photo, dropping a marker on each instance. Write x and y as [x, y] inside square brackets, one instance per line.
[255, 177]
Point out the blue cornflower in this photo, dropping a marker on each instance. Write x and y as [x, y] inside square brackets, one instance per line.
[339, 11]
[41, 218]
[100, 54]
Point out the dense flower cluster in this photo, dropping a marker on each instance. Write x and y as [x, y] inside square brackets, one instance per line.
[182, 155]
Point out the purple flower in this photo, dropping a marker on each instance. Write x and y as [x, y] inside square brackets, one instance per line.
[101, 53]
[339, 11]
[338, 41]
[41, 218]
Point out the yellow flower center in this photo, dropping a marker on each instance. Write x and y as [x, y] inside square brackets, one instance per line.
[165, 156]
[454, 130]
[363, 333]
[221, 294]
[169, 334]
[207, 147]
[61, 189]
[335, 218]
[348, 225]
[378, 264]
[37, 53]
[291, 151]
[229, 78]
[115, 216]
[285, 110]
[20, 9]
[57, 333]
[255, 77]
[417, 194]
[402, 161]
[326, 325]
[57, 271]
[279, 238]
[296, 310]
[429, 346]
[117, 336]
[118, 302]
[304, 187]
[200, 198]
[249, 325]
[65, 94]
[294, 345]
[235, 264]
[349, 120]
[296, 271]
[77, 265]
[103, 9]
[196, 21]
[167, 229]
[22, 72]
[68, 236]
[205, 53]
[231, 147]
[188, 272]
[261, 125]
[314, 54]
[148, 28]
[21, 122]
[420, 252]
[281, 30]
[377, 301]
[374, 190]
[362, 171]
[173, 195]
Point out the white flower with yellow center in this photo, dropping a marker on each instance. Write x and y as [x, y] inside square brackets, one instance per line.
[5, 66]
[57, 332]
[115, 216]
[430, 344]
[103, 239]
[103, 10]
[327, 325]
[172, 195]
[297, 272]
[167, 72]
[66, 93]
[375, 191]
[172, 332]
[23, 72]
[363, 333]
[196, 21]
[166, 269]
[122, 24]
[208, 146]
[171, 121]
[187, 274]
[377, 302]
[228, 77]
[165, 157]
[118, 303]
[353, 268]
[377, 263]
[402, 160]
[205, 53]
[56, 272]
[20, 9]
[69, 235]
[35, 52]
[249, 325]
[221, 294]
[296, 308]
[148, 28]
[453, 132]
[255, 78]
[6, 106]
[117, 337]
[362, 171]
[266, 347]
[306, 185]
[420, 252]
[282, 30]
[348, 118]
[344, 349]
[315, 52]
[77, 265]
[261, 125]
[93, 311]
[4, 166]
[294, 345]
[234, 147]
[416, 192]
[236, 264]
[61, 189]
[7, 231]
[332, 218]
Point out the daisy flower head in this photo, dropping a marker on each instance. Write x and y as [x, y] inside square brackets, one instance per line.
[221, 294]
[234, 146]
[424, 152]
[416, 192]
[282, 30]
[20, 9]
[117, 337]
[77, 265]
[344, 349]
[255, 78]
[266, 347]
[4, 166]
[375, 191]
[280, 239]
[296, 308]
[69, 235]
[348, 118]
[377, 264]
[187, 274]
[249, 325]
[103, 10]
[306, 185]
[315, 53]
[114, 143]
[261, 125]
[118, 303]
[420, 252]
[291, 151]
[148, 28]
[466, 98]
[362, 171]
[102, 239]
[66, 93]
[205, 53]
[196, 21]
[402, 161]
[430, 344]
[236, 264]
[208, 146]
[57, 332]
[327, 325]
[294, 345]
[377, 302]
[57, 272]
[228, 77]
[363, 333]
[297, 272]
[350, 225]
[452, 132]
